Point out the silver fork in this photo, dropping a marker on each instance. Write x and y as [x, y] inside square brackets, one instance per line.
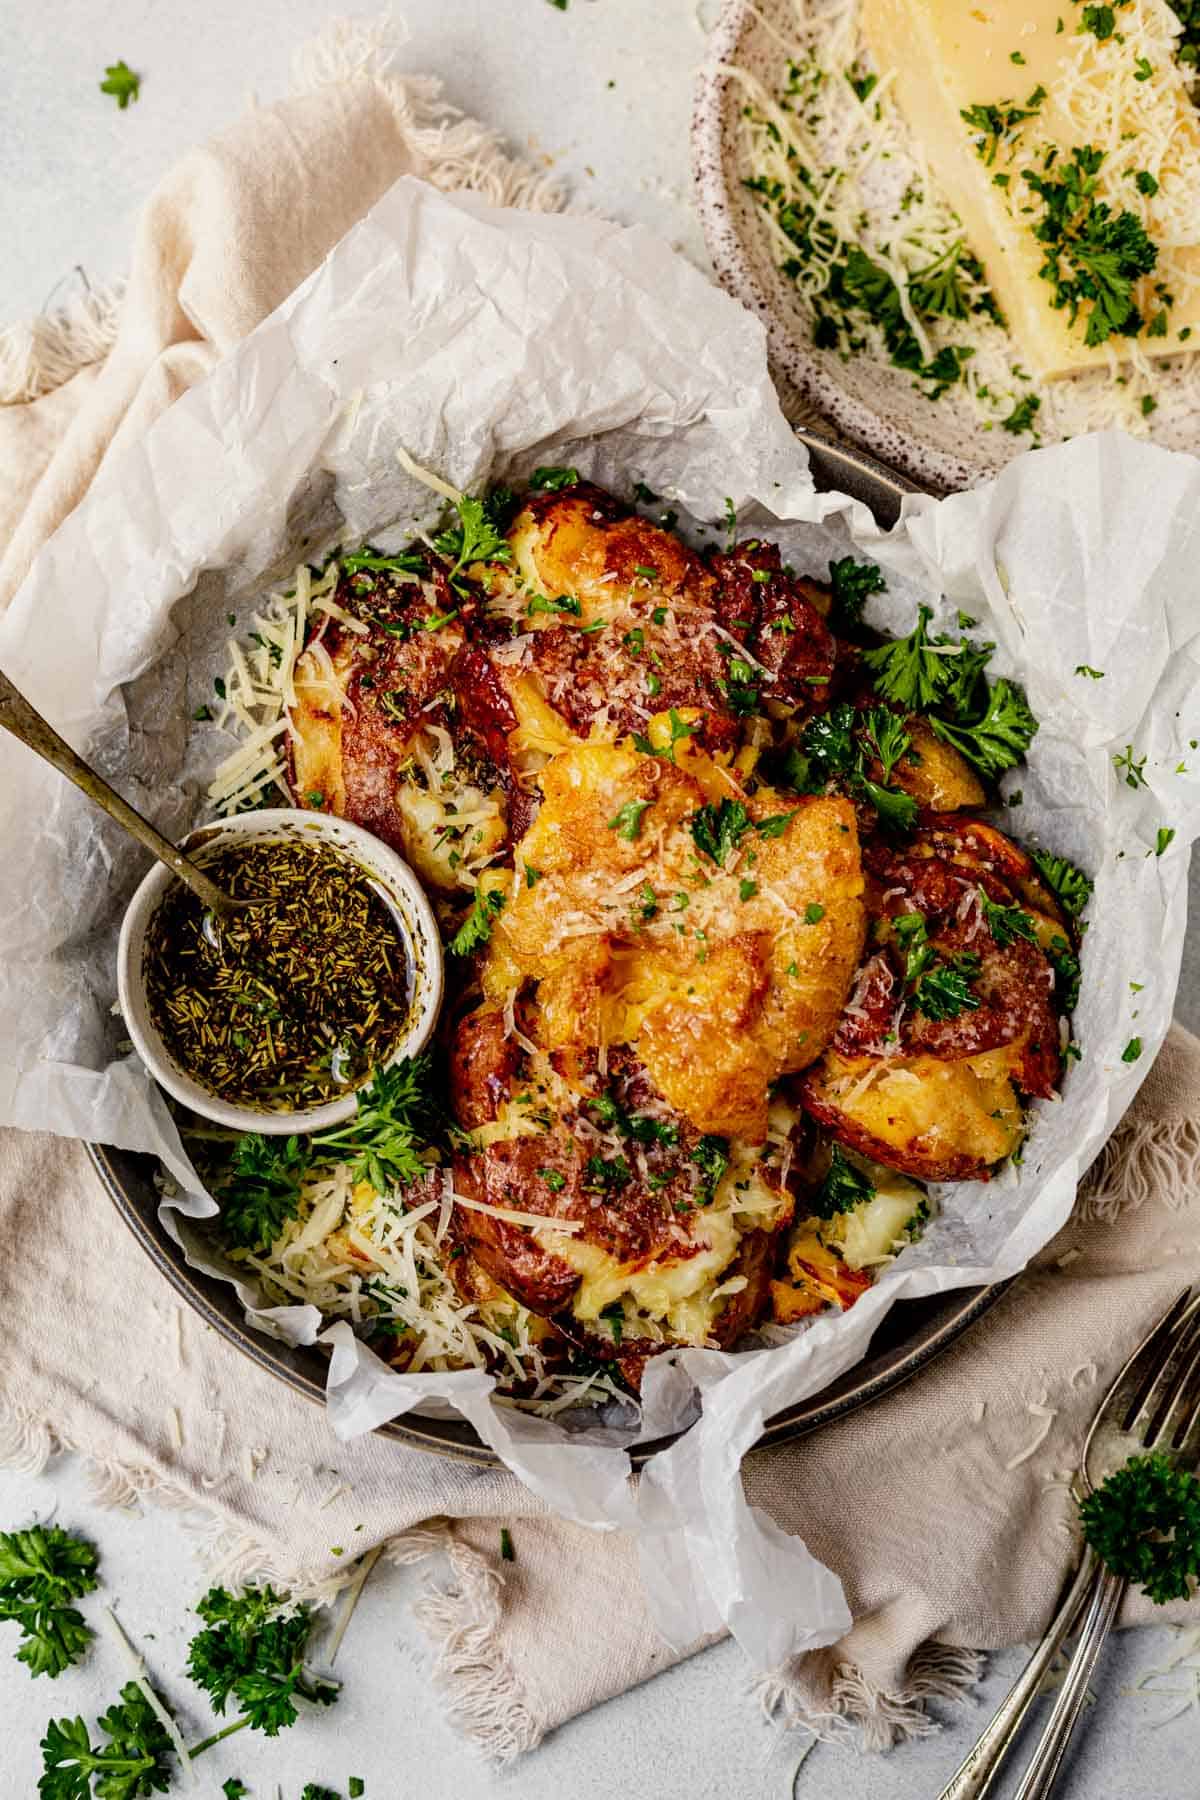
[1154, 1404]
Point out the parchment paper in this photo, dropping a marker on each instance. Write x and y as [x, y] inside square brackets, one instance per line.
[483, 343]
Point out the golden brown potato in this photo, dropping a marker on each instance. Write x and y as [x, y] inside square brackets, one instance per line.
[816, 1278]
[932, 1119]
[724, 977]
[647, 1241]
[937, 777]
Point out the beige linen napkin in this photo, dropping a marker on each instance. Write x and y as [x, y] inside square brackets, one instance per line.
[943, 1508]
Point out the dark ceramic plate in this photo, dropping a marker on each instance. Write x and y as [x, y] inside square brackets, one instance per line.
[912, 1334]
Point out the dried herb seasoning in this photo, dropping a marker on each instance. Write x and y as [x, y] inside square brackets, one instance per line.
[292, 1000]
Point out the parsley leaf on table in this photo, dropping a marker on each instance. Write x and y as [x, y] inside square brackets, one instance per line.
[252, 1654]
[42, 1570]
[131, 1764]
[121, 82]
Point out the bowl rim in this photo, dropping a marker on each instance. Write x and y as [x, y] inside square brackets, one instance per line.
[356, 845]
[934, 468]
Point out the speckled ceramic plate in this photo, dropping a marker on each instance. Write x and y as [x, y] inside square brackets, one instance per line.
[912, 1334]
[941, 446]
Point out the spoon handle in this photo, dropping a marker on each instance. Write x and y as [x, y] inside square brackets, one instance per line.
[19, 717]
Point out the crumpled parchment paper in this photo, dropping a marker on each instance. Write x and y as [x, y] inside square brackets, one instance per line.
[484, 343]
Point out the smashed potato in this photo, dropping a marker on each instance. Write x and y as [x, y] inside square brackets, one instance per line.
[723, 974]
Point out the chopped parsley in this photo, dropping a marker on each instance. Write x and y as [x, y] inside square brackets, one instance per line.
[614, 1317]
[1132, 1050]
[718, 830]
[564, 603]
[945, 991]
[678, 729]
[1101, 21]
[1021, 418]
[601, 1175]
[1071, 886]
[1165, 834]
[1093, 256]
[1089, 672]
[553, 480]
[747, 889]
[553, 1180]
[627, 820]
[476, 928]
[1131, 768]
[843, 1188]
[711, 1157]
[121, 82]
[852, 583]
[1007, 923]
[1067, 973]
[814, 912]
[507, 1554]
[996, 125]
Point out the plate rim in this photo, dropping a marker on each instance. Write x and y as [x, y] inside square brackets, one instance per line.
[882, 489]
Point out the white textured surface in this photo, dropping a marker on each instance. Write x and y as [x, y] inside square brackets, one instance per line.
[73, 175]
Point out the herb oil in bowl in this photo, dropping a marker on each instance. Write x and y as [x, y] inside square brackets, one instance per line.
[294, 998]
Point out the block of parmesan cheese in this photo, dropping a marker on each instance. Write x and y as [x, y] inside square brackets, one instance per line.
[1055, 89]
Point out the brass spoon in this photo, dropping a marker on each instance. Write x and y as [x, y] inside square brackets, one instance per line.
[19, 717]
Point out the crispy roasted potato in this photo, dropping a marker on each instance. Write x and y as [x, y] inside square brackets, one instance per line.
[932, 1119]
[935, 774]
[652, 1237]
[723, 977]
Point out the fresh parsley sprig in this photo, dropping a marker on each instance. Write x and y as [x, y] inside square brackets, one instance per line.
[840, 743]
[132, 1763]
[43, 1569]
[718, 830]
[991, 725]
[395, 1122]
[476, 928]
[1072, 887]
[260, 1192]
[1144, 1522]
[253, 1652]
[479, 534]
[852, 584]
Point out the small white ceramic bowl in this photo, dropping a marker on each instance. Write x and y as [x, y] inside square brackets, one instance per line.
[280, 824]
